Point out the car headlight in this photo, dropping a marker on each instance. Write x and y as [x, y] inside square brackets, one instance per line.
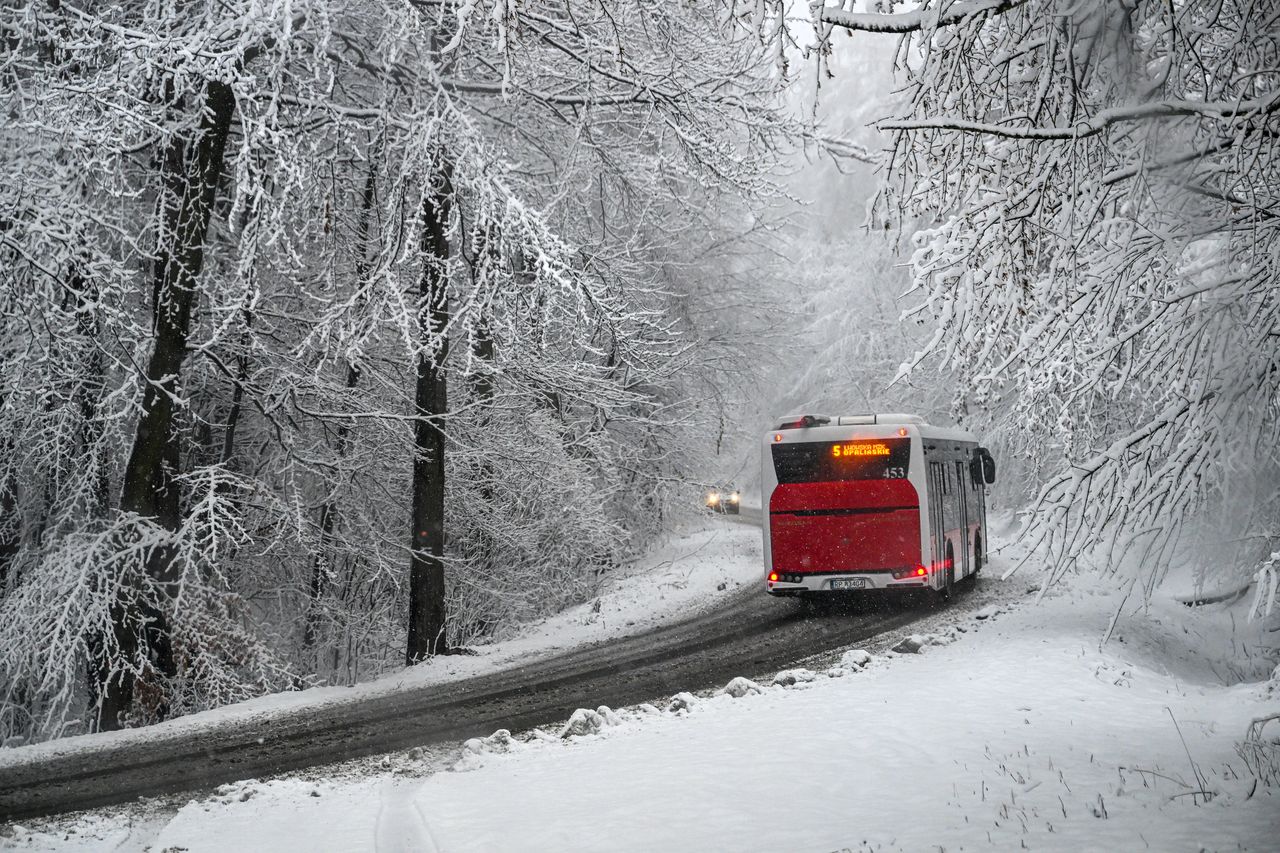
[713, 498]
[733, 498]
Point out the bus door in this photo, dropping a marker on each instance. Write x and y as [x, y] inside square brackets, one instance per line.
[937, 514]
[962, 500]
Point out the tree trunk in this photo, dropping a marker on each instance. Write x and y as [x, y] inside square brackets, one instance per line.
[320, 566]
[90, 392]
[483, 389]
[10, 526]
[191, 170]
[426, 566]
[328, 520]
[228, 452]
[484, 262]
[10, 523]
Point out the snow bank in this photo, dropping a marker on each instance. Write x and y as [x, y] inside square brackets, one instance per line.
[792, 677]
[739, 687]
[855, 659]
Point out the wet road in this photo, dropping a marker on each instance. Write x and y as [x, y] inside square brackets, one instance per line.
[752, 634]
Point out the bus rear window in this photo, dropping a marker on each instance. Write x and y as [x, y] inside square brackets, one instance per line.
[822, 461]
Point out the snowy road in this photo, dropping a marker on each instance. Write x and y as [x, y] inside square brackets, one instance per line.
[751, 634]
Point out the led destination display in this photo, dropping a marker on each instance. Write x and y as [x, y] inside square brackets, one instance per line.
[863, 459]
[859, 448]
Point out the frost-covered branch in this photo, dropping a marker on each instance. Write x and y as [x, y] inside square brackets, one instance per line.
[1237, 112]
[940, 14]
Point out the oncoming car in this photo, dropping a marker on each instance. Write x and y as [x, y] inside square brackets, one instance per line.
[724, 500]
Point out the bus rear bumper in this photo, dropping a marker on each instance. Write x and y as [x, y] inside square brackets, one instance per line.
[844, 584]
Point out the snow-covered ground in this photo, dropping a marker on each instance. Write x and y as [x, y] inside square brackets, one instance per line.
[691, 571]
[1011, 729]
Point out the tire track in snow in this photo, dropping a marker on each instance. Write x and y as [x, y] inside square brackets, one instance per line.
[401, 826]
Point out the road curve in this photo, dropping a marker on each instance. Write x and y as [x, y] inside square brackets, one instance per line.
[751, 634]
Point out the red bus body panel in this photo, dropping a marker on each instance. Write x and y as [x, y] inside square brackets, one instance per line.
[851, 525]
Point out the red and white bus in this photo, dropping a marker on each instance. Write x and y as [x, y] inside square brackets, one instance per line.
[872, 502]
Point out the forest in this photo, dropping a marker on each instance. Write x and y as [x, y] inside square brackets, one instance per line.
[339, 335]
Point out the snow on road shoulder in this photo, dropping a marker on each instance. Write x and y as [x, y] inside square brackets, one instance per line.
[1009, 729]
[683, 575]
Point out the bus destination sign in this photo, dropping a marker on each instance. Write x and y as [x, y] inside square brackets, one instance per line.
[859, 448]
[854, 459]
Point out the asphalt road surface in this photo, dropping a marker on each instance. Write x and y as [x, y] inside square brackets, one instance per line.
[752, 634]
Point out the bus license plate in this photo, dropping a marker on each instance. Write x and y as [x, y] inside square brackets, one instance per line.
[849, 583]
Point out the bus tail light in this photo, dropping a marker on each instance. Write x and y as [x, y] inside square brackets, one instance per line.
[773, 577]
[913, 572]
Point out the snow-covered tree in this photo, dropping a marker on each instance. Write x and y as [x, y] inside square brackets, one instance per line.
[1098, 184]
[245, 252]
